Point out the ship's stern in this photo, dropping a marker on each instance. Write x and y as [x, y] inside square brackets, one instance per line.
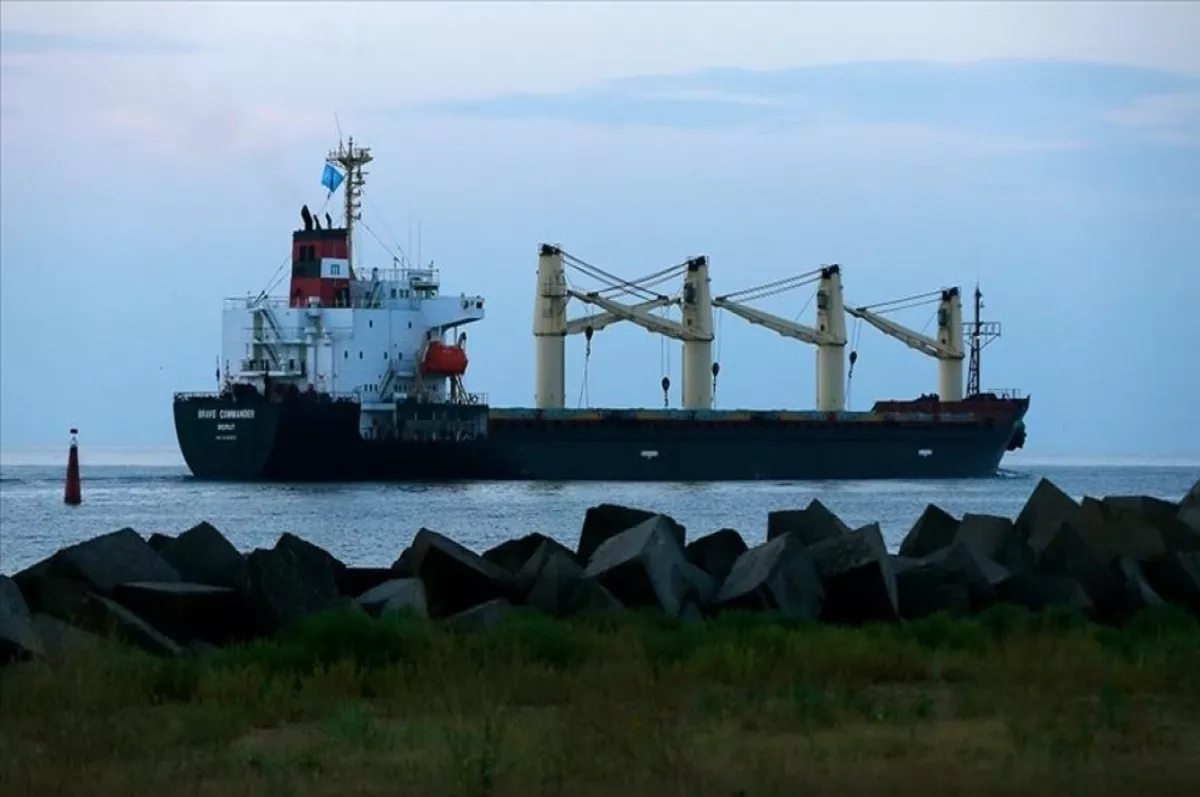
[225, 439]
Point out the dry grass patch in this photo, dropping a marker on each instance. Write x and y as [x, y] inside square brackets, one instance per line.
[1007, 703]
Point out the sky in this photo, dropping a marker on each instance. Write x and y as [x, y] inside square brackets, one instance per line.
[155, 157]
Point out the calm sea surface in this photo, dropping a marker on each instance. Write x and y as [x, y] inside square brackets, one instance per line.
[369, 524]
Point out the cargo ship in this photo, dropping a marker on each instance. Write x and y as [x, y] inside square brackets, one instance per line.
[358, 374]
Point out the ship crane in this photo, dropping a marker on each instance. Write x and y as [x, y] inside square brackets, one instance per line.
[551, 325]
[947, 348]
[829, 336]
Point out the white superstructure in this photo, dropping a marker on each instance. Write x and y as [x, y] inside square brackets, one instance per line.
[347, 330]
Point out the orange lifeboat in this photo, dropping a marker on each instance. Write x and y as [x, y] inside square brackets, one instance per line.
[443, 360]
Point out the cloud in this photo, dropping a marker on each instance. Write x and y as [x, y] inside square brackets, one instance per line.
[1166, 118]
[34, 43]
[368, 54]
[226, 131]
[1009, 105]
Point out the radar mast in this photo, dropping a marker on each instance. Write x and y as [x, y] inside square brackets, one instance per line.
[351, 160]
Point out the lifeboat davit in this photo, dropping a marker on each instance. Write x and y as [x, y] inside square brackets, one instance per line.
[443, 360]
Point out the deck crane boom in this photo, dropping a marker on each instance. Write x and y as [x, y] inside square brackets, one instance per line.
[947, 348]
[598, 321]
[829, 336]
[550, 325]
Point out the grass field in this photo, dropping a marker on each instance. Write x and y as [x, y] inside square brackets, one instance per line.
[1005, 703]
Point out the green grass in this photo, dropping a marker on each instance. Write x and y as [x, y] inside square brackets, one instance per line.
[1007, 702]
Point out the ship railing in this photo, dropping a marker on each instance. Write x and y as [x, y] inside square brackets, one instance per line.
[297, 333]
[1005, 392]
[414, 277]
[366, 301]
[186, 395]
[251, 302]
[283, 368]
[370, 299]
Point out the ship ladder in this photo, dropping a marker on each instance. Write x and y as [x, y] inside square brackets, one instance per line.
[269, 318]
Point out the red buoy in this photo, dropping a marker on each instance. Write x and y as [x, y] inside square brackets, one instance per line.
[72, 494]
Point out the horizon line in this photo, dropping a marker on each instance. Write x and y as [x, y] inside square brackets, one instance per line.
[170, 456]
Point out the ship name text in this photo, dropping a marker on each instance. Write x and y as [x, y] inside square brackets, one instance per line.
[225, 415]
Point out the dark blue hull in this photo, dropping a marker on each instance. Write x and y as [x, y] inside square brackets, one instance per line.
[320, 441]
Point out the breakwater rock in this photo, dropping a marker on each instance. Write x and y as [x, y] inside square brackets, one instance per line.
[1108, 558]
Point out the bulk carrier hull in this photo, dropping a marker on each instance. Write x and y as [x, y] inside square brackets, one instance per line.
[262, 440]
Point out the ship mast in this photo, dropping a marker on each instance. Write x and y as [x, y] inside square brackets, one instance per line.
[981, 333]
[973, 367]
[351, 160]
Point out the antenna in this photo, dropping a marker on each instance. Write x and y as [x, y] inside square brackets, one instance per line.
[351, 160]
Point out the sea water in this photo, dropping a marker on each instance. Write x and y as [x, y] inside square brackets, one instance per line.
[370, 524]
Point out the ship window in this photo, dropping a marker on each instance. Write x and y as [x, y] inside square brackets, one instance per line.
[370, 323]
[400, 355]
[385, 355]
[410, 325]
[360, 355]
[346, 354]
[393, 293]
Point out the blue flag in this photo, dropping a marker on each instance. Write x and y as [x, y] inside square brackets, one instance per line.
[332, 178]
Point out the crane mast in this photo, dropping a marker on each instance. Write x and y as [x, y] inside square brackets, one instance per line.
[947, 348]
[829, 336]
[551, 325]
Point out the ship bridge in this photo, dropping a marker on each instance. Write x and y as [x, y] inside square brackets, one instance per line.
[347, 329]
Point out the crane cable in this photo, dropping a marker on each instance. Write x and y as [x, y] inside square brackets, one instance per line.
[648, 281]
[665, 364]
[853, 357]
[892, 306]
[587, 359]
[600, 275]
[773, 288]
[716, 366]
